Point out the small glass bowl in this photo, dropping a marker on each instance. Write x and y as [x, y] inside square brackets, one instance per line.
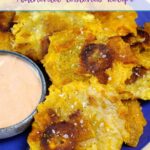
[21, 126]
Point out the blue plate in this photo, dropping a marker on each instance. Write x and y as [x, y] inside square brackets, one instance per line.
[20, 142]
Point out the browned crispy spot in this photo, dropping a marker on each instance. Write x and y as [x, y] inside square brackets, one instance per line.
[6, 19]
[95, 59]
[138, 47]
[137, 72]
[64, 135]
[75, 115]
[45, 119]
[130, 38]
[145, 37]
[142, 37]
[122, 50]
[52, 115]
[59, 136]
[83, 128]
[45, 44]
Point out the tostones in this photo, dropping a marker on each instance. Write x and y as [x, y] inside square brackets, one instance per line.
[113, 61]
[79, 116]
[32, 29]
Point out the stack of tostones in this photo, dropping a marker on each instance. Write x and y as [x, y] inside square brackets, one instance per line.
[99, 67]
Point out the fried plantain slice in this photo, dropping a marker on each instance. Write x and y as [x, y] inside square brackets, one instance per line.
[31, 29]
[30, 37]
[64, 62]
[131, 78]
[79, 116]
[6, 19]
[83, 55]
[135, 121]
[138, 82]
[117, 23]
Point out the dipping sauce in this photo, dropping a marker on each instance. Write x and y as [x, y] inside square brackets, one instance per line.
[20, 90]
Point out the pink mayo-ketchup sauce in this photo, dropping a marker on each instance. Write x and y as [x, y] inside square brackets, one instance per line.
[20, 90]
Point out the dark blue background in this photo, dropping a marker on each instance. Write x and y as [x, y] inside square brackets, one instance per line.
[19, 142]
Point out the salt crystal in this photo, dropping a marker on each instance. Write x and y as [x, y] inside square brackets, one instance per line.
[66, 136]
[53, 131]
[81, 121]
